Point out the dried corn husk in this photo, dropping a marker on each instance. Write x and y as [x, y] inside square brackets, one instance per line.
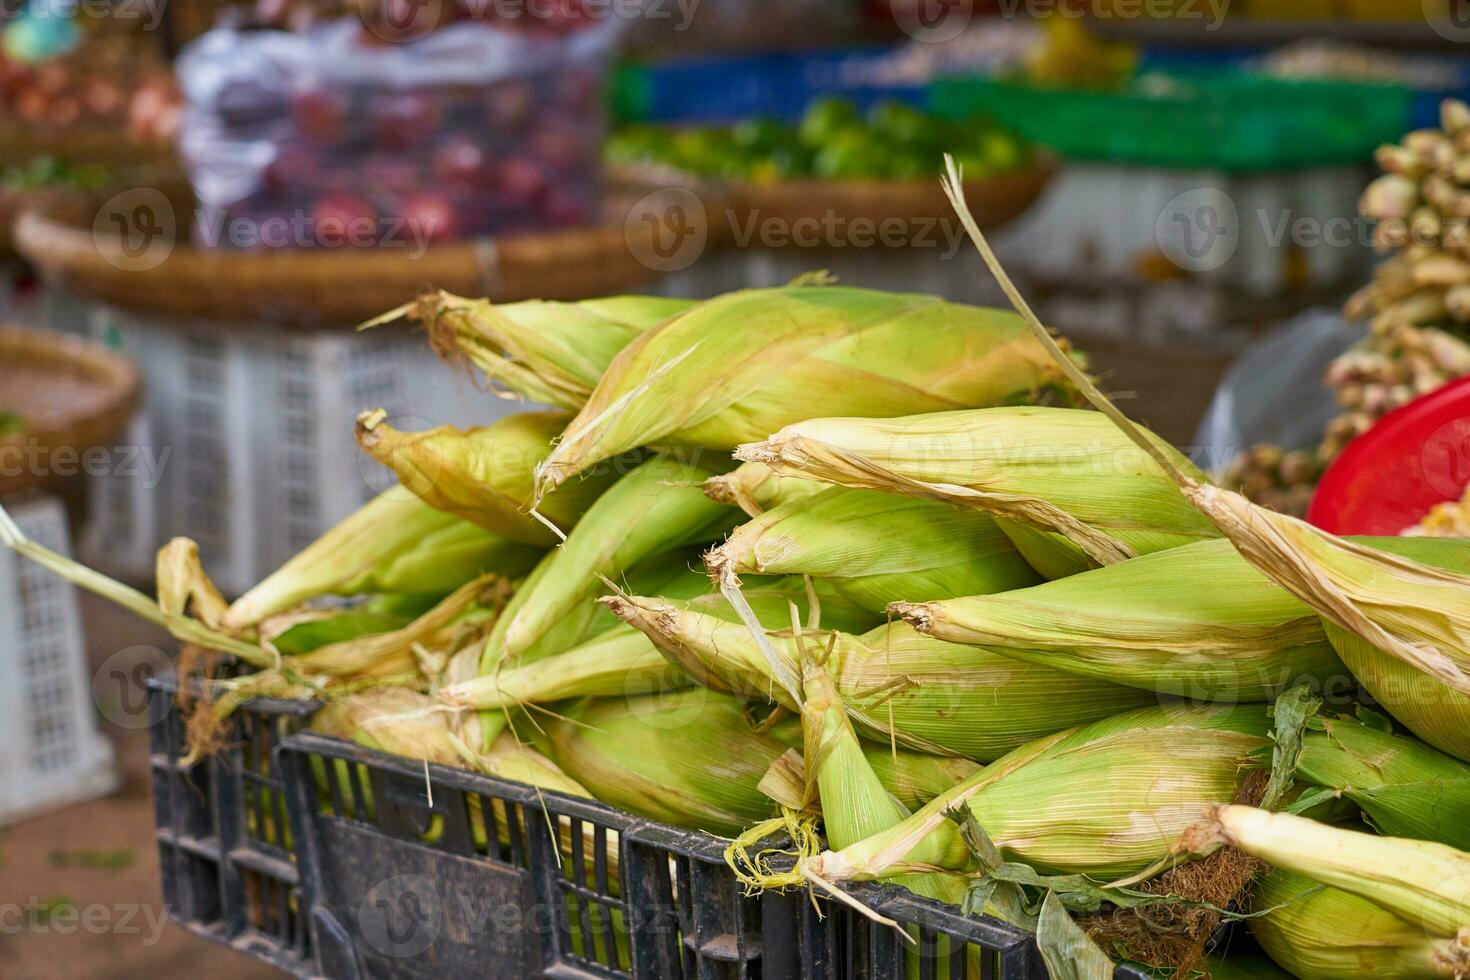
[1197, 621]
[1067, 473]
[1327, 934]
[921, 692]
[755, 488]
[1405, 788]
[656, 508]
[1422, 882]
[551, 353]
[1107, 800]
[737, 367]
[393, 543]
[487, 475]
[875, 548]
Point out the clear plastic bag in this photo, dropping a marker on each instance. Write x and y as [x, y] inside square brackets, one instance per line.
[333, 136]
[1275, 392]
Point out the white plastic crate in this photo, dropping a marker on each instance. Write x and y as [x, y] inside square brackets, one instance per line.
[253, 428]
[51, 752]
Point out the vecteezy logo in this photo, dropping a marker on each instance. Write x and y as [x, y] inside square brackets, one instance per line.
[120, 685]
[400, 917]
[667, 230]
[1450, 19]
[933, 21]
[401, 21]
[1444, 459]
[1199, 230]
[134, 230]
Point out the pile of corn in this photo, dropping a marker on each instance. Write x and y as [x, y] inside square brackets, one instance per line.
[1417, 307]
[825, 557]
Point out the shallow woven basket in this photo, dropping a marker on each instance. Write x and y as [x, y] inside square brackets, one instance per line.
[995, 201]
[71, 396]
[76, 245]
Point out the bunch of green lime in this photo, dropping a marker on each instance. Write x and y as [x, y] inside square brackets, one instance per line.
[832, 141]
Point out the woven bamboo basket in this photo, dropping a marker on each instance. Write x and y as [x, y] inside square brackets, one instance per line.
[81, 245]
[995, 201]
[70, 396]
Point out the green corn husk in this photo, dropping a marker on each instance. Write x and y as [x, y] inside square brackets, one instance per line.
[923, 693]
[1237, 966]
[548, 352]
[1067, 473]
[854, 803]
[393, 543]
[875, 548]
[690, 758]
[487, 475]
[737, 367]
[912, 778]
[378, 614]
[654, 509]
[1196, 621]
[1328, 934]
[1426, 884]
[1437, 713]
[621, 660]
[1404, 787]
[755, 488]
[1106, 800]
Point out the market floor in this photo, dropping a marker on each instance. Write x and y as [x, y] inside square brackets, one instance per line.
[99, 858]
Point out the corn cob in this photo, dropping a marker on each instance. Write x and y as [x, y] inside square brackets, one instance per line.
[654, 509]
[1326, 934]
[924, 693]
[621, 660]
[1405, 788]
[317, 628]
[874, 548]
[551, 353]
[739, 366]
[1162, 768]
[393, 543]
[755, 488]
[487, 475]
[689, 758]
[1196, 621]
[1065, 474]
[1407, 610]
[1435, 712]
[1424, 883]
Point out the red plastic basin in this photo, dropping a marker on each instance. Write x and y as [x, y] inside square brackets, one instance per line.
[1388, 478]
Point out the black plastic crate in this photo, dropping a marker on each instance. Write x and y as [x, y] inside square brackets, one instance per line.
[413, 872]
[225, 850]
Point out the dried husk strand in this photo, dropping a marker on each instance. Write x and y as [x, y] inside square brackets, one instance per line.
[1427, 884]
[898, 685]
[548, 352]
[1321, 933]
[1162, 767]
[486, 475]
[874, 548]
[1085, 493]
[1195, 621]
[1407, 610]
[1404, 787]
[741, 365]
